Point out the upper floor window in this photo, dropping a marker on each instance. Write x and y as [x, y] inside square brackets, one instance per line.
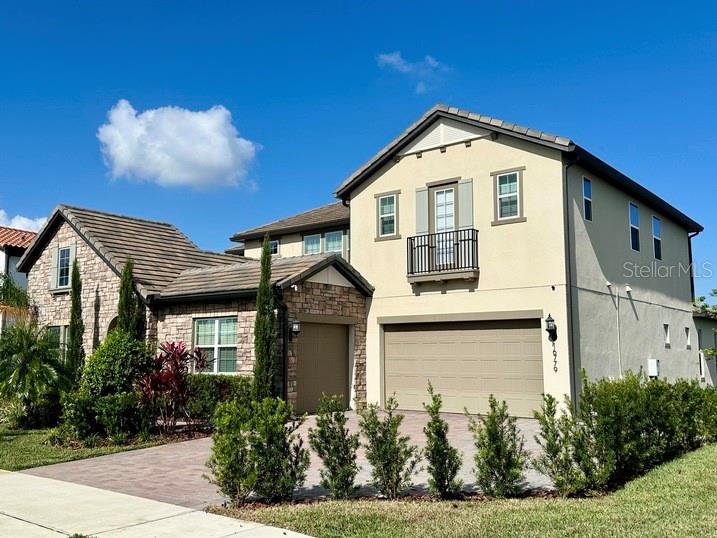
[688, 338]
[657, 237]
[387, 213]
[217, 339]
[666, 333]
[334, 241]
[273, 247]
[63, 267]
[634, 227]
[587, 199]
[312, 244]
[508, 196]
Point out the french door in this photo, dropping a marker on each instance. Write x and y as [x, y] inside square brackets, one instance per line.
[445, 223]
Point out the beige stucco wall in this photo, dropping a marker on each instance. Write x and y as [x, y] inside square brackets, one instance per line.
[100, 288]
[522, 265]
[289, 245]
[601, 253]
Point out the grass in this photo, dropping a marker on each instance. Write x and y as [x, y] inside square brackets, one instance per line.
[676, 499]
[23, 449]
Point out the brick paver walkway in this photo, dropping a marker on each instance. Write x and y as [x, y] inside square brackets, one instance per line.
[174, 473]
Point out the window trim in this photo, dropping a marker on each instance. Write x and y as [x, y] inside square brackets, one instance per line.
[271, 242]
[217, 346]
[630, 205]
[303, 244]
[656, 238]
[379, 197]
[60, 250]
[497, 219]
[588, 199]
[325, 246]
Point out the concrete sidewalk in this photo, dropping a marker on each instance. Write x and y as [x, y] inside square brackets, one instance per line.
[31, 506]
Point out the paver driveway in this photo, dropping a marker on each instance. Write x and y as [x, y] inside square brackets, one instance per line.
[174, 473]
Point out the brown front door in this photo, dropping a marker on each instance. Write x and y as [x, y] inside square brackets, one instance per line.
[322, 364]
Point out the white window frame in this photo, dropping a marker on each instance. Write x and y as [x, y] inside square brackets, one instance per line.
[217, 346]
[305, 251]
[657, 238]
[274, 247]
[326, 243]
[588, 199]
[500, 196]
[394, 214]
[666, 330]
[630, 205]
[62, 341]
[60, 250]
[688, 338]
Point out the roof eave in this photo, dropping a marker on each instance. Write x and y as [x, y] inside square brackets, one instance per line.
[249, 235]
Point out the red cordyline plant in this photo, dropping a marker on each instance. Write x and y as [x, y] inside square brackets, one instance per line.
[164, 389]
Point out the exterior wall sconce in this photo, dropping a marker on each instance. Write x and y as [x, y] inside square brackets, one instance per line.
[551, 328]
[295, 328]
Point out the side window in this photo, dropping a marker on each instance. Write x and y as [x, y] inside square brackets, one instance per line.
[508, 190]
[63, 267]
[274, 247]
[666, 332]
[634, 227]
[217, 338]
[688, 337]
[657, 237]
[58, 338]
[312, 244]
[387, 215]
[587, 199]
[334, 241]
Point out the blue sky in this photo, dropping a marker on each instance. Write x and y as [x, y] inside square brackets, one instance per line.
[312, 100]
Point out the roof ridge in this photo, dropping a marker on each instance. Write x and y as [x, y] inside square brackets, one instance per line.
[23, 230]
[275, 221]
[120, 215]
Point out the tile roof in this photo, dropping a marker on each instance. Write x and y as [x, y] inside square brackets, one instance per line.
[159, 250]
[332, 214]
[12, 237]
[240, 278]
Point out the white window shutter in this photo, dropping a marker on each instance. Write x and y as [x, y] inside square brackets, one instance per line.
[53, 269]
[421, 210]
[465, 204]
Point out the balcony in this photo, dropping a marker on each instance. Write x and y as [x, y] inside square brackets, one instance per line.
[443, 256]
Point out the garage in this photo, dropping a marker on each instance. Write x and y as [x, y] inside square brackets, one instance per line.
[465, 362]
[322, 364]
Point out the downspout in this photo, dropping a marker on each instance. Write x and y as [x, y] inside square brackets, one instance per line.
[569, 283]
[284, 331]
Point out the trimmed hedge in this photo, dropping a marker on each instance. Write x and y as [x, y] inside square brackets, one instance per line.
[207, 391]
[115, 416]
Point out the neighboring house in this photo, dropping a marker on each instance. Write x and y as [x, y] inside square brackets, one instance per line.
[324, 229]
[204, 298]
[474, 231]
[13, 243]
[706, 340]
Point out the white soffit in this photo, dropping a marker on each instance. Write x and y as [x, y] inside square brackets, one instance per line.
[444, 132]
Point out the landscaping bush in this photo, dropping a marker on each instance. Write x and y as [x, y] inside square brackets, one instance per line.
[116, 365]
[500, 457]
[204, 392]
[120, 416]
[444, 461]
[79, 415]
[336, 447]
[256, 451]
[393, 459]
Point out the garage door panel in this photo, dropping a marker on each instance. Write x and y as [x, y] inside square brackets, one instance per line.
[466, 362]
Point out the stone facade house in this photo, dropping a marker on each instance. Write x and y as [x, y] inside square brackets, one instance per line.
[205, 299]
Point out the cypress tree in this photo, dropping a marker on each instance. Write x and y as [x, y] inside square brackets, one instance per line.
[129, 310]
[74, 353]
[264, 331]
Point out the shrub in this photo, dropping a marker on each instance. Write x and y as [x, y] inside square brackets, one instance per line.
[120, 416]
[129, 309]
[264, 330]
[79, 415]
[336, 447]
[444, 461]
[500, 457]
[74, 352]
[393, 459]
[204, 392]
[708, 415]
[116, 365]
[256, 451]
[164, 389]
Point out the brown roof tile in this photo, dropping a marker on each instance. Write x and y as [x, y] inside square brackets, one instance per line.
[320, 217]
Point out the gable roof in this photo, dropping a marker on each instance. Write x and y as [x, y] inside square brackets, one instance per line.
[13, 237]
[242, 279]
[159, 250]
[334, 214]
[569, 148]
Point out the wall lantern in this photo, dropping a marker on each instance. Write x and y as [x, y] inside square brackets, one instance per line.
[295, 328]
[551, 328]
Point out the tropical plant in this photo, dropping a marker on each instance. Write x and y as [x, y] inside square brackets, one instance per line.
[74, 352]
[336, 446]
[129, 308]
[165, 388]
[500, 457]
[444, 460]
[264, 330]
[393, 459]
[30, 369]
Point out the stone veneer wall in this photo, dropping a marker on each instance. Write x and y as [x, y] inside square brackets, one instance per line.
[100, 288]
[329, 300]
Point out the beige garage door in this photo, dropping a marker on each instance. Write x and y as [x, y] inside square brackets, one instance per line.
[466, 362]
[322, 365]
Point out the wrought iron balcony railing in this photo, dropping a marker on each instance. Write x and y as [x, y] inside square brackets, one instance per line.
[443, 252]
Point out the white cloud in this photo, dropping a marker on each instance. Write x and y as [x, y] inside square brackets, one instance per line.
[173, 146]
[424, 72]
[20, 222]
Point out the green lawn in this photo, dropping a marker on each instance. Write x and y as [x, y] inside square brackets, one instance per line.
[677, 499]
[23, 449]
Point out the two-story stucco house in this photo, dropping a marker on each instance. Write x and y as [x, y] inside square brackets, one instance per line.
[473, 231]
[13, 243]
